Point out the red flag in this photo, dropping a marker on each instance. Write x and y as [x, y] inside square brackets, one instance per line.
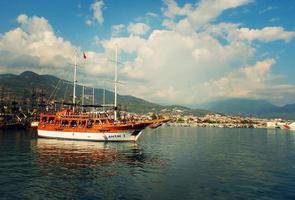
[84, 55]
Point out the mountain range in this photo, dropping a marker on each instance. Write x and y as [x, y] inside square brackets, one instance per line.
[21, 86]
[251, 107]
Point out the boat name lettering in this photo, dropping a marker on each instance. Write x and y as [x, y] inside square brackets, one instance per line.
[114, 136]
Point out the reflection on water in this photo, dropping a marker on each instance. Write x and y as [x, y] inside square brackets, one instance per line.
[38, 168]
[167, 163]
[70, 155]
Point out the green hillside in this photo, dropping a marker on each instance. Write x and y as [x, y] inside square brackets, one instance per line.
[22, 86]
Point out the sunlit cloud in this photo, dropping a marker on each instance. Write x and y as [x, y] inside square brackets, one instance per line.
[191, 58]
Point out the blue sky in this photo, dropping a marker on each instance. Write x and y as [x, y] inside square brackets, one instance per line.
[200, 50]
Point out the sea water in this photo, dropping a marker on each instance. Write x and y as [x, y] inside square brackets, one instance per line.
[166, 163]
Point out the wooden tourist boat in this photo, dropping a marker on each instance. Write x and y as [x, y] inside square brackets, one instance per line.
[94, 126]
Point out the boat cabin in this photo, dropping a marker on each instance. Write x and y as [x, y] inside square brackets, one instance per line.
[66, 119]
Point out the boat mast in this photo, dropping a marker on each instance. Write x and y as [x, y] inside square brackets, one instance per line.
[116, 80]
[93, 98]
[104, 96]
[83, 88]
[75, 74]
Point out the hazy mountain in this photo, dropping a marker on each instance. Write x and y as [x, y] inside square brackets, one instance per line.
[23, 86]
[250, 107]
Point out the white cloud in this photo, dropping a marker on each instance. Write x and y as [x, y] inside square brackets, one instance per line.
[35, 37]
[167, 93]
[97, 8]
[117, 29]
[129, 44]
[89, 22]
[34, 46]
[203, 12]
[22, 18]
[138, 28]
[273, 20]
[267, 9]
[182, 26]
[233, 32]
[223, 29]
[181, 63]
[200, 56]
[280, 94]
[266, 34]
[173, 9]
[96, 40]
[242, 82]
[156, 63]
[151, 14]
[252, 81]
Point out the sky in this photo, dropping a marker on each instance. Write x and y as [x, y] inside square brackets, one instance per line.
[170, 52]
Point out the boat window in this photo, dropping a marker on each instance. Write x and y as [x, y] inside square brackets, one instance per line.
[51, 120]
[44, 119]
[97, 122]
[81, 124]
[89, 123]
[73, 123]
[65, 122]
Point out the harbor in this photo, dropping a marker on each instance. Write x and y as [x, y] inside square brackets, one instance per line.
[228, 121]
[147, 100]
[16, 116]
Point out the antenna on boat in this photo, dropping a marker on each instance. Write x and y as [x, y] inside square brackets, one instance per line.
[116, 80]
[75, 74]
[83, 92]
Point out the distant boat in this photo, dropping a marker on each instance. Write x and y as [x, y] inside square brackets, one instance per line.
[158, 123]
[292, 126]
[285, 126]
[34, 124]
[11, 121]
[155, 125]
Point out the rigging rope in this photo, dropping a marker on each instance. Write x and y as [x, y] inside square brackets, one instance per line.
[53, 92]
[66, 91]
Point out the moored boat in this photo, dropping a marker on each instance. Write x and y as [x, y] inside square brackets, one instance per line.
[34, 124]
[11, 121]
[94, 126]
[292, 126]
[285, 126]
[157, 123]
